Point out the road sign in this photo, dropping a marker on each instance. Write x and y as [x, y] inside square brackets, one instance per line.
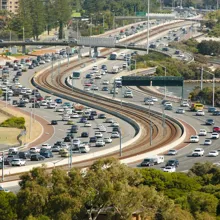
[96, 41]
[152, 80]
[141, 13]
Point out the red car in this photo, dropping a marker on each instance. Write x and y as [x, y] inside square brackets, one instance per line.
[216, 129]
[87, 84]
[40, 98]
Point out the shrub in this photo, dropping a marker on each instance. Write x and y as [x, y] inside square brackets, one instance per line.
[14, 122]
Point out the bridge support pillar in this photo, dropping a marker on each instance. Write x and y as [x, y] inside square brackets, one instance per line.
[79, 53]
[90, 52]
[96, 52]
[23, 49]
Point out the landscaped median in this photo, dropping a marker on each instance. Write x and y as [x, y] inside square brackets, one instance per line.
[9, 134]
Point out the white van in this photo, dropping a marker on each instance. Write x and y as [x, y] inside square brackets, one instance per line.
[158, 159]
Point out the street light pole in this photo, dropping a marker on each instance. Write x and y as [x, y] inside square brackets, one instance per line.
[148, 10]
[23, 35]
[103, 21]
[201, 82]
[120, 142]
[150, 127]
[3, 165]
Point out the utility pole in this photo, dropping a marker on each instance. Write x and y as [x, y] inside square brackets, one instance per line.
[148, 26]
[120, 142]
[150, 127]
[201, 82]
[3, 165]
[70, 154]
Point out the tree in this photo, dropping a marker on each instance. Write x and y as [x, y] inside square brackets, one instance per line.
[8, 204]
[62, 12]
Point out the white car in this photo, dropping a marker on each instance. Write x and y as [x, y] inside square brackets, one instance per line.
[109, 120]
[87, 124]
[194, 139]
[198, 152]
[200, 113]
[98, 134]
[184, 104]
[59, 109]
[154, 99]
[74, 115]
[115, 134]
[128, 94]
[102, 128]
[105, 82]
[169, 169]
[180, 111]
[149, 102]
[168, 104]
[98, 76]
[47, 146]
[100, 143]
[172, 152]
[95, 67]
[34, 150]
[18, 162]
[207, 142]
[51, 105]
[202, 132]
[107, 140]
[115, 124]
[86, 88]
[65, 117]
[213, 153]
[42, 62]
[43, 103]
[215, 135]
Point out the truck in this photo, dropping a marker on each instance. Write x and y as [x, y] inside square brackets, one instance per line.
[115, 69]
[78, 108]
[150, 161]
[196, 106]
[75, 75]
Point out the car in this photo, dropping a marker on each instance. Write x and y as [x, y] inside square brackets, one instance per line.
[58, 101]
[169, 169]
[88, 76]
[95, 67]
[167, 103]
[83, 120]
[207, 142]
[94, 87]
[105, 82]
[173, 163]
[198, 152]
[56, 148]
[102, 128]
[37, 157]
[98, 76]
[168, 107]
[87, 124]
[76, 142]
[101, 116]
[43, 103]
[213, 153]
[104, 67]
[67, 139]
[98, 134]
[34, 150]
[147, 162]
[180, 111]
[74, 115]
[109, 120]
[172, 152]
[92, 139]
[84, 134]
[184, 104]
[211, 109]
[107, 140]
[194, 139]
[18, 162]
[115, 134]
[24, 155]
[210, 121]
[200, 113]
[47, 146]
[105, 88]
[91, 117]
[46, 153]
[65, 117]
[215, 135]
[216, 129]
[149, 102]
[216, 113]
[202, 132]
[54, 122]
[128, 94]
[100, 143]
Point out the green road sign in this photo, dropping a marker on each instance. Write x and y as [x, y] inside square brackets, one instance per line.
[141, 13]
[152, 80]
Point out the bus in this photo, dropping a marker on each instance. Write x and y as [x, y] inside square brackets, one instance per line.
[76, 75]
[113, 56]
[197, 106]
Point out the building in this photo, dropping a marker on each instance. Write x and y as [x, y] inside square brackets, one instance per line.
[10, 5]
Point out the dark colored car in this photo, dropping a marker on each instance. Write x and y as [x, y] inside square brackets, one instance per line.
[21, 105]
[92, 139]
[58, 143]
[35, 105]
[58, 101]
[172, 163]
[168, 107]
[14, 102]
[105, 88]
[54, 122]
[37, 157]
[9, 158]
[24, 155]
[104, 67]
[88, 76]
[85, 134]
[67, 139]
[31, 67]
[46, 154]
[74, 130]
[147, 162]
[19, 73]
[83, 120]
[94, 113]
[91, 117]
[210, 122]
[116, 129]
[102, 116]
[211, 109]
[216, 113]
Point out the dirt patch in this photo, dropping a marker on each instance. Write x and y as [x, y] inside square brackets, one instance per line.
[43, 51]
